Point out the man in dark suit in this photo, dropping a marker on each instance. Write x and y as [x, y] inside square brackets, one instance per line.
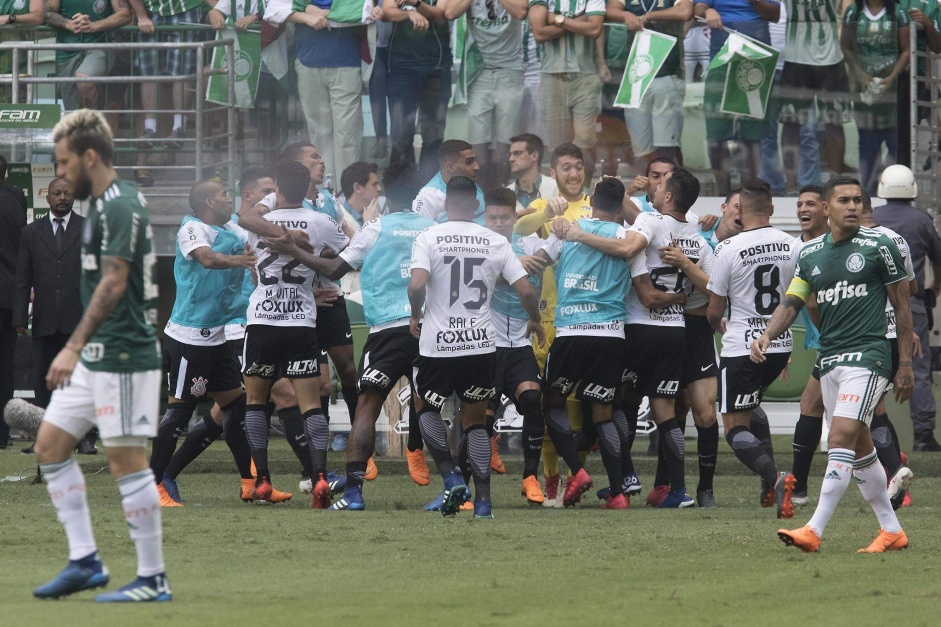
[49, 264]
[12, 220]
[14, 191]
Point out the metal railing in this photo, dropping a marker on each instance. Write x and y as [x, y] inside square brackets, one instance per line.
[925, 140]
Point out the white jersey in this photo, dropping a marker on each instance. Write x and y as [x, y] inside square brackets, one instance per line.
[284, 296]
[698, 250]
[752, 270]
[464, 260]
[909, 274]
[659, 230]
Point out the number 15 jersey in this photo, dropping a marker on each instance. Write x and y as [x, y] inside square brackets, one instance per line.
[284, 296]
[752, 270]
[464, 260]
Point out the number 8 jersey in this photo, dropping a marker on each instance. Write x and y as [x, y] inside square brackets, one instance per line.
[752, 270]
[464, 261]
[284, 296]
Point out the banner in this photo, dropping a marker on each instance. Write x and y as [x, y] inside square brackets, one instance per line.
[470, 61]
[749, 76]
[247, 52]
[34, 179]
[648, 53]
[28, 122]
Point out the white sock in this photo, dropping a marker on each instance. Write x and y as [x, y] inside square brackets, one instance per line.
[835, 481]
[177, 121]
[66, 486]
[142, 510]
[870, 477]
[150, 124]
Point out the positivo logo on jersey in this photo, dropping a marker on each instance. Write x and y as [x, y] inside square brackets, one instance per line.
[855, 262]
[842, 291]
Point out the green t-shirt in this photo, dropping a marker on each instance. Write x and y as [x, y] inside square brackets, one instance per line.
[812, 36]
[848, 279]
[932, 11]
[877, 38]
[671, 67]
[14, 7]
[95, 10]
[118, 225]
[165, 8]
[420, 50]
[570, 53]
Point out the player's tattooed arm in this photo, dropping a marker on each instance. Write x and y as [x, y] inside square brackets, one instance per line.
[331, 267]
[781, 320]
[212, 260]
[52, 17]
[529, 298]
[416, 298]
[626, 248]
[905, 378]
[110, 290]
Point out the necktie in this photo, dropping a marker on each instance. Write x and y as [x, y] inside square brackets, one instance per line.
[60, 234]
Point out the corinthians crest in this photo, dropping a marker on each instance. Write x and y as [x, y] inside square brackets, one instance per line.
[199, 387]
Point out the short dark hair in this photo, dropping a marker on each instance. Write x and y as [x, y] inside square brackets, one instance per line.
[357, 172]
[460, 188]
[665, 160]
[200, 192]
[292, 179]
[811, 189]
[534, 143]
[837, 181]
[566, 149]
[685, 188]
[608, 195]
[756, 196]
[501, 197]
[451, 149]
[252, 174]
[295, 151]
[728, 197]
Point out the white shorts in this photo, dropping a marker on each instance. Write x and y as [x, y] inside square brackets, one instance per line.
[850, 392]
[658, 123]
[120, 404]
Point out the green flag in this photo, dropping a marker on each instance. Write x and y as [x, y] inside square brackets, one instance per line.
[247, 50]
[749, 75]
[649, 51]
[471, 61]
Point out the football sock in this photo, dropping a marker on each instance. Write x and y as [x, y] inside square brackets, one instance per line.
[415, 442]
[292, 423]
[560, 431]
[355, 474]
[806, 439]
[318, 433]
[479, 453]
[351, 398]
[708, 447]
[534, 425]
[491, 426]
[761, 429]
[150, 124]
[550, 457]
[750, 452]
[835, 481]
[610, 447]
[895, 436]
[142, 511]
[674, 451]
[66, 486]
[871, 479]
[436, 438]
[177, 124]
[233, 424]
[256, 431]
[325, 406]
[269, 411]
[171, 426]
[199, 438]
[886, 447]
[462, 463]
[624, 435]
[660, 476]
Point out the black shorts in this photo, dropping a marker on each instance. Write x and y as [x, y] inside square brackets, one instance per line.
[592, 366]
[653, 359]
[237, 348]
[333, 325]
[699, 361]
[742, 382]
[514, 367]
[387, 357]
[471, 376]
[274, 352]
[193, 371]
[801, 84]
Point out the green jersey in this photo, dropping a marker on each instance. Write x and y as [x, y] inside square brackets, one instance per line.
[14, 7]
[166, 8]
[118, 225]
[849, 278]
[95, 10]
[932, 10]
[877, 38]
[570, 53]
[812, 32]
[670, 67]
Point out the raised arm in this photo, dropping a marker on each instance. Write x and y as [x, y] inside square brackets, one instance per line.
[332, 267]
[212, 260]
[454, 9]
[625, 248]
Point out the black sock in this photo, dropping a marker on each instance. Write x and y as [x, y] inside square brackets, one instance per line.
[885, 444]
[806, 439]
[196, 441]
[462, 464]
[895, 436]
[351, 398]
[586, 438]
[292, 423]
[171, 426]
[708, 446]
[436, 438]
[560, 431]
[233, 425]
[660, 477]
[491, 426]
[749, 451]
[318, 434]
[674, 452]
[256, 431]
[355, 474]
[610, 447]
[479, 453]
[534, 426]
[759, 427]
[624, 434]
[415, 442]
[325, 406]
[269, 411]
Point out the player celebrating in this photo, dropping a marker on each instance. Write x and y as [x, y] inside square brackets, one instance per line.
[749, 272]
[116, 384]
[850, 271]
[455, 266]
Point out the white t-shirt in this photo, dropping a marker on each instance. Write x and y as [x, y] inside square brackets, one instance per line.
[284, 295]
[698, 250]
[464, 260]
[909, 273]
[752, 270]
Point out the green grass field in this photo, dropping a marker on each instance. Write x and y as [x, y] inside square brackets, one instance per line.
[235, 564]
